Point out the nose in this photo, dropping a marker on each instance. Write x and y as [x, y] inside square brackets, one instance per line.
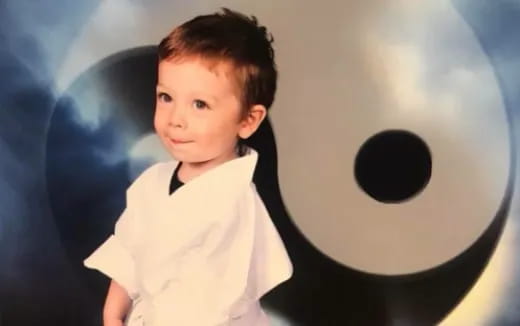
[177, 118]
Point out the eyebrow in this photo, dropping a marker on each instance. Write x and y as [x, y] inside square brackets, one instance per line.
[159, 85]
[211, 97]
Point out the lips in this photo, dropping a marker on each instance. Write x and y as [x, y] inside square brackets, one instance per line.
[178, 141]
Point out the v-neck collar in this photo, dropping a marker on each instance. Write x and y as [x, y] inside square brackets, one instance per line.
[234, 172]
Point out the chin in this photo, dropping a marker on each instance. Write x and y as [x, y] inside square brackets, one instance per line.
[186, 158]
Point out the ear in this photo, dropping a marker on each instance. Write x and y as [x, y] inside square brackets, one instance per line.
[252, 121]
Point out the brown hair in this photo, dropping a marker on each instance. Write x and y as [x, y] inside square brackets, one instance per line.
[234, 38]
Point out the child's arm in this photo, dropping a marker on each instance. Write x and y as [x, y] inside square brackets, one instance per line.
[117, 305]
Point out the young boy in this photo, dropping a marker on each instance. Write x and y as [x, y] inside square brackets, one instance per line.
[195, 245]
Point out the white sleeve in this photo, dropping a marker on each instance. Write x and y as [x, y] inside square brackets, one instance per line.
[271, 264]
[114, 259]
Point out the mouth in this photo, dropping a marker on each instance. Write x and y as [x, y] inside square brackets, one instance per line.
[178, 141]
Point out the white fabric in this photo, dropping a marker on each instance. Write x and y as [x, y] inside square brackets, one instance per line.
[203, 256]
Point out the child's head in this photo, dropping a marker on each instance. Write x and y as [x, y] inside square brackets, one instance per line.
[217, 78]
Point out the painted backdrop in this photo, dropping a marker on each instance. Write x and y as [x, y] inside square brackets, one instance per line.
[388, 162]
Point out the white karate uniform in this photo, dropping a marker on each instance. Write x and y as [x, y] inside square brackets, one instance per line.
[203, 256]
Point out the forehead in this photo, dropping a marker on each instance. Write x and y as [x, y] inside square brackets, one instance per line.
[198, 74]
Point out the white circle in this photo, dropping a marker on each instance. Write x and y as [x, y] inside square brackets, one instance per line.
[399, 65]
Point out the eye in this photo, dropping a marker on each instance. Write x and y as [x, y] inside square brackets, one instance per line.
[164, 97]
[199, 104]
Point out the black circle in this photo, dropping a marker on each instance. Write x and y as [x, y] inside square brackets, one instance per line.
[393, 166]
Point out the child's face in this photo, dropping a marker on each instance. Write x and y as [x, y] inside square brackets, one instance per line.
[197, 113]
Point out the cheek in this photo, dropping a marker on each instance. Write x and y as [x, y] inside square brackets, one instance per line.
[229, 129]
[159, 121]
[218, 133]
